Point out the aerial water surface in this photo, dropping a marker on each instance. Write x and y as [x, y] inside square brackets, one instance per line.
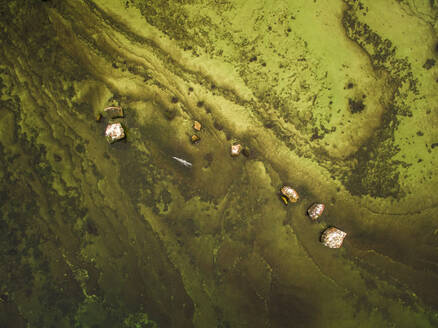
[164, 228]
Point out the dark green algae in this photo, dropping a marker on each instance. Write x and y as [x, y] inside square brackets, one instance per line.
[97, 235]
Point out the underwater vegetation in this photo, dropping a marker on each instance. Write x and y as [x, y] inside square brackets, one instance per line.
[144, 145]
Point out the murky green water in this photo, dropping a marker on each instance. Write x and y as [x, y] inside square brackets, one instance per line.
[335, 98]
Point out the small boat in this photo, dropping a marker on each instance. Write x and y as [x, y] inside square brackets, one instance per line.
[182, 161]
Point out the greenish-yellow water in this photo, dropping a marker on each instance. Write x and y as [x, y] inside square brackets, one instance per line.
[335, 98]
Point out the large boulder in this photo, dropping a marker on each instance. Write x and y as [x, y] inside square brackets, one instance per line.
[333, 237]
[315, 211]
[114, 132]
[290, 193]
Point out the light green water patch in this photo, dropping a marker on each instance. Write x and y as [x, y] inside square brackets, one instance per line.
[414, 131]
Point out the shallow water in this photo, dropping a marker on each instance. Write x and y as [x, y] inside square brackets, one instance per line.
[335, 98]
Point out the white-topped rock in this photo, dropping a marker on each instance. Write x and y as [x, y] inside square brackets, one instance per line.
[290, 193]
[236, 149]
[315, 211]
[114, 132]
[333, 237]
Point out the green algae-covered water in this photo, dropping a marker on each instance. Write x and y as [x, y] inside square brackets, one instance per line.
[337, 99]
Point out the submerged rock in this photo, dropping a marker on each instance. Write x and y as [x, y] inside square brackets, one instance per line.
[333, 237]
[315, 211]
[290, 193]
[245, 152]
[113, 111]
[114, 132]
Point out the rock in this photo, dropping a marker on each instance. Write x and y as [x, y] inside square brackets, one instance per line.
[195, 138]
[245, 152]
[169, 113]
[236, 149]
[113, 112]
[333, 237]
[114, 132]
[197, 126]
[315, 211]
[290, 193]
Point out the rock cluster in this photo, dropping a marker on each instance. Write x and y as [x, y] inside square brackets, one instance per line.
[331, 237]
